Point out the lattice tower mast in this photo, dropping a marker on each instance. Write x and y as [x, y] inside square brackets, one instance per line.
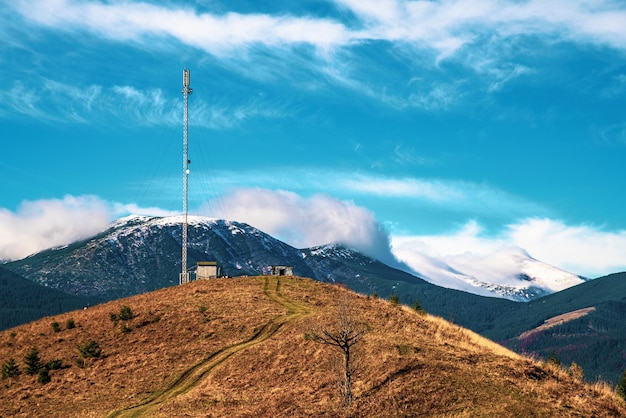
[184, 275]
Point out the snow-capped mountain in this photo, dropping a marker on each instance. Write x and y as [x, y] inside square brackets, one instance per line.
[509, 273]
[137, 254]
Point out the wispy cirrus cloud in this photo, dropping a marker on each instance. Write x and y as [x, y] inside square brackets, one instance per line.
[452, 194]
[59, 102]
[455, 195]
[475, 33]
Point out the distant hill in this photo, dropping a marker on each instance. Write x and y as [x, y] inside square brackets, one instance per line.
[21, 300]
[238, 347]
[597, 340]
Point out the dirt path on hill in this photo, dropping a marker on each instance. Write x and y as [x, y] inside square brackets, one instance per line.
[196, 373]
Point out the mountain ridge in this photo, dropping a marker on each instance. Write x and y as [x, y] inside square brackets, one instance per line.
[532, 280]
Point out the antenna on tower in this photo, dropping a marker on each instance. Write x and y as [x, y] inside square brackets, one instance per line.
[184, 275]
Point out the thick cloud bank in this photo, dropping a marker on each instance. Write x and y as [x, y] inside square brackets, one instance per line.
[580, 249]
[41, 224]
[320, 219]
[307, 222]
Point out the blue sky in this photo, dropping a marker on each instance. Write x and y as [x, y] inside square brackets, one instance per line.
[438, 128]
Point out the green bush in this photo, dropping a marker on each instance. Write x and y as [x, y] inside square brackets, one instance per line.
[80, 362]
[54, 364]
[125, 313]
[113, 317]
[90, 349]
[69, 324]
[43, 377]
[33, 362]
[10, 369]
[418, 308]
[55, 326]
[394, 299]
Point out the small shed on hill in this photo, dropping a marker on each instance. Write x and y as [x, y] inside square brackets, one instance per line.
[207, 270]
[282, 271]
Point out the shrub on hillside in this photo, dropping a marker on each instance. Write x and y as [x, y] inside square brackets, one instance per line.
[55, 327]
[54, 364]
[10, 369]
[418, 308]
[125, 313]
[33, 362]
[69, 324]
[43, 377]
[394, 299]
[90, 349]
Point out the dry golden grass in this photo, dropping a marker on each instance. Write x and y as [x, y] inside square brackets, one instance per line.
[236, 347]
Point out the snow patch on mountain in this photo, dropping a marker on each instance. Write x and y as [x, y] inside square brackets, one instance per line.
[510, 273]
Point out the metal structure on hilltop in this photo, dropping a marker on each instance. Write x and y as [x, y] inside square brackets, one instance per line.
[184, 275]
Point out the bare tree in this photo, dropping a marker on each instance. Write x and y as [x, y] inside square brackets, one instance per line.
[345, 333]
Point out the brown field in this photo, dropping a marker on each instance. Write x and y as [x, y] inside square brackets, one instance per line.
[557, 320]
[237, 348]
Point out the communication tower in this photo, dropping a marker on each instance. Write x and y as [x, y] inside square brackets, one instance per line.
[184, 275]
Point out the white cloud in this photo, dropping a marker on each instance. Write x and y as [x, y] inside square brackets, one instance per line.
[584, 250]
[478, 34]
[42, 224]
[47, 223]
[320, 219]
[216, 34]
[579, 248]
[124, 209]
[306, 222]
[449, 195]
[446, 26]
[60, 102]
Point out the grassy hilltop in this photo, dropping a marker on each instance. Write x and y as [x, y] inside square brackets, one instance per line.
[237, 347]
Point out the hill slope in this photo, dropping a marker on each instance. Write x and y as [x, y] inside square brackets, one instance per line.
[236, 347]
